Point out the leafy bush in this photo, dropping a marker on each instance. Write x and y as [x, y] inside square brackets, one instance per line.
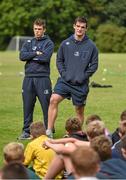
[111, 38]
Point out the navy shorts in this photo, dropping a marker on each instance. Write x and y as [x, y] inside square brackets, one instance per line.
[78, 94]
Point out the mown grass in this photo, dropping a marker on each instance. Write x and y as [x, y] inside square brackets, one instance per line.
[106, 102]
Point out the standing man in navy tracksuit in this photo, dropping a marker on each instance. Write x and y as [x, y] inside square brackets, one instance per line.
[77, 60]
[36, 53]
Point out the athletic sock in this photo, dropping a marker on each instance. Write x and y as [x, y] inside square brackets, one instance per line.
[49, 133]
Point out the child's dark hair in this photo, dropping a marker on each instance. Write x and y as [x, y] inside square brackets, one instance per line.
[92, 117]
[123, 115]
[73, 125]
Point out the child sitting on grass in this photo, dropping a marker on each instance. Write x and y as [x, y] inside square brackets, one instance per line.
[35, 154]
[95, 117]
[14, 153]
[74, 129]
[121, 130]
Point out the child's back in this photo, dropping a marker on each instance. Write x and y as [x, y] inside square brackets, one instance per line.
[35, 155]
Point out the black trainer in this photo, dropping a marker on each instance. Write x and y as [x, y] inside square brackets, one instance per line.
[24, 136]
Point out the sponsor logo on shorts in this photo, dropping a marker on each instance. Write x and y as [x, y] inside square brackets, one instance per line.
[46, 91]
[76, 53]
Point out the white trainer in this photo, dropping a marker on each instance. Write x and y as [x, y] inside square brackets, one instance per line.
[49, 133]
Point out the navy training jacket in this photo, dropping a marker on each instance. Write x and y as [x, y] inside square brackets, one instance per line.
[112, 169]
[77, 60]
[37, 65]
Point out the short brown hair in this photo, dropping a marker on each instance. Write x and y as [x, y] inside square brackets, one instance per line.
[85, 161]
[92, 117]
[122, 127]
[95, 128]
[13, 152]
[73, 125]
[102, 145]
[14, 170]
[40, 22]
[123, 142]
[81, 19]
[123, 115]
[37, 129]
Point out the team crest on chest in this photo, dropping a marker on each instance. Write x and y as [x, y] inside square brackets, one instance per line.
[34, 48]
[67, 43]
[76, 53]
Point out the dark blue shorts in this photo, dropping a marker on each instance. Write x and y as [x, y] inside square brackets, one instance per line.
[78, 94]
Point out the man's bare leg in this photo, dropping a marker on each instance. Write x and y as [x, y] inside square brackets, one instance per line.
[80, 113]
[52, 112]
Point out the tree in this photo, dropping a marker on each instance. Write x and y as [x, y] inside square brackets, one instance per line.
[116, 12]
[17, 17]
[111, 38]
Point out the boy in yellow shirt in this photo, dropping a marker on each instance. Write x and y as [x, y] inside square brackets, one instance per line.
[35, 154]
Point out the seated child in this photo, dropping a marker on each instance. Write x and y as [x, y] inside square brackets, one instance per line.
[74, 129]
[95, 128]
[35, 154]
[14, 153]
[121, 130]
[85, 162]
[94, 117]
[14, 170]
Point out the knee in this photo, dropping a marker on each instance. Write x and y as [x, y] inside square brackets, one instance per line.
[53, 100]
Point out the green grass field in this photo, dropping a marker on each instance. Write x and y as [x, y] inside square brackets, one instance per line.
[106, 102]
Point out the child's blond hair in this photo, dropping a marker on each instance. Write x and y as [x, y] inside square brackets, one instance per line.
[13, 152]
[37, 129]
[95, 128]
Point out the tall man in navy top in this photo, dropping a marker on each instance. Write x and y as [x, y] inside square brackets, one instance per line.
[36, 53]
[77, 60]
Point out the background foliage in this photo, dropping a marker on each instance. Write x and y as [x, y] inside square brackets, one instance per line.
[107, 20]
